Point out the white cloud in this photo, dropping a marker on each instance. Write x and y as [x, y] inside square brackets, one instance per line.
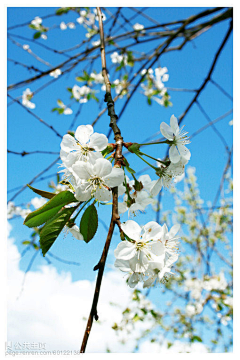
[52, 308]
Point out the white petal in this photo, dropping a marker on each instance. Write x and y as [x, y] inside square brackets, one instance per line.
[69, 143]
[102, 167]
[122, 265]
[81, 194]
[173, 154]
[98, 142]
[152, 230]
[122, 208]
[93, 156]
[171, 260]
[102, 194]
[115, 178]
[174, 124]
[166, 131]
[76, 232]
[125, 250]
[185, 153]
[83, 133]
[156, 187]
[132, 229]
[157, 248]
[81, 168]
[149, 281]
[174, 230]
[133, 280]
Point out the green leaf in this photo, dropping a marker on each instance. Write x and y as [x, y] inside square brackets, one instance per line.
[37, 34]
[149, 101]
[53, 227]
[48, 210]
[196, 338]
[79, 78]
[26, 242]
[89, 223]
[45, 194]
[63, 10]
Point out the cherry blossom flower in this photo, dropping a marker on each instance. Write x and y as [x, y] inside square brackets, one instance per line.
[139, 199]
[67, 111]
[26, 47]
[63, 26]
[36, 22]
[74, 230]
[96, 179]
[178, 140]
[82, 146]
[138, 27]
[169, 239]
[80, 93]
[142, 247]
[55, 73]
[166, 174]
[26, 97]
[116, 58]
[158, 270]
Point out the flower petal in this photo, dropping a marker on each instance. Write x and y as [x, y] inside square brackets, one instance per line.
[82, 169]
[174, 230]
[102, 194]
[74, 230]
[156, 187]
[98, 141]
[125, 250]
[166, 131]
[102, 167]
[184, 151]
[69, 143]
[122, 265]
[174, 124]
[152, 231]
[131, 229]
[81, 194]
[83, 133]
[115, 178]
[173, 154]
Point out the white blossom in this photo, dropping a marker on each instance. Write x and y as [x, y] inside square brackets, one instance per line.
[44, 36]
[144, 244]
[80, 93]
[96, 179]
[138, 27]
[84, 146]
[55, 73]
[67, 111]
[178, 139]
[37, 22]
[63, 26]
[74, 230]
[26, 97]
[26, 47]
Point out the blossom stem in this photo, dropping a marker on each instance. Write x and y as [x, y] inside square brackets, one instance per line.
[154, 167]
[163, 162]
[81, 209]
[155, 143]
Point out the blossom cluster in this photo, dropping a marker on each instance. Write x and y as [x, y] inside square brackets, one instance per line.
[148, 253]
[88, 172]
[154, 88]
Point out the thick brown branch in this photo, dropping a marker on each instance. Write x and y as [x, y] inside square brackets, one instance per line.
[115, 217]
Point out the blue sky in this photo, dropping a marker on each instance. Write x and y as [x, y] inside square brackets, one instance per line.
[187, 69]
